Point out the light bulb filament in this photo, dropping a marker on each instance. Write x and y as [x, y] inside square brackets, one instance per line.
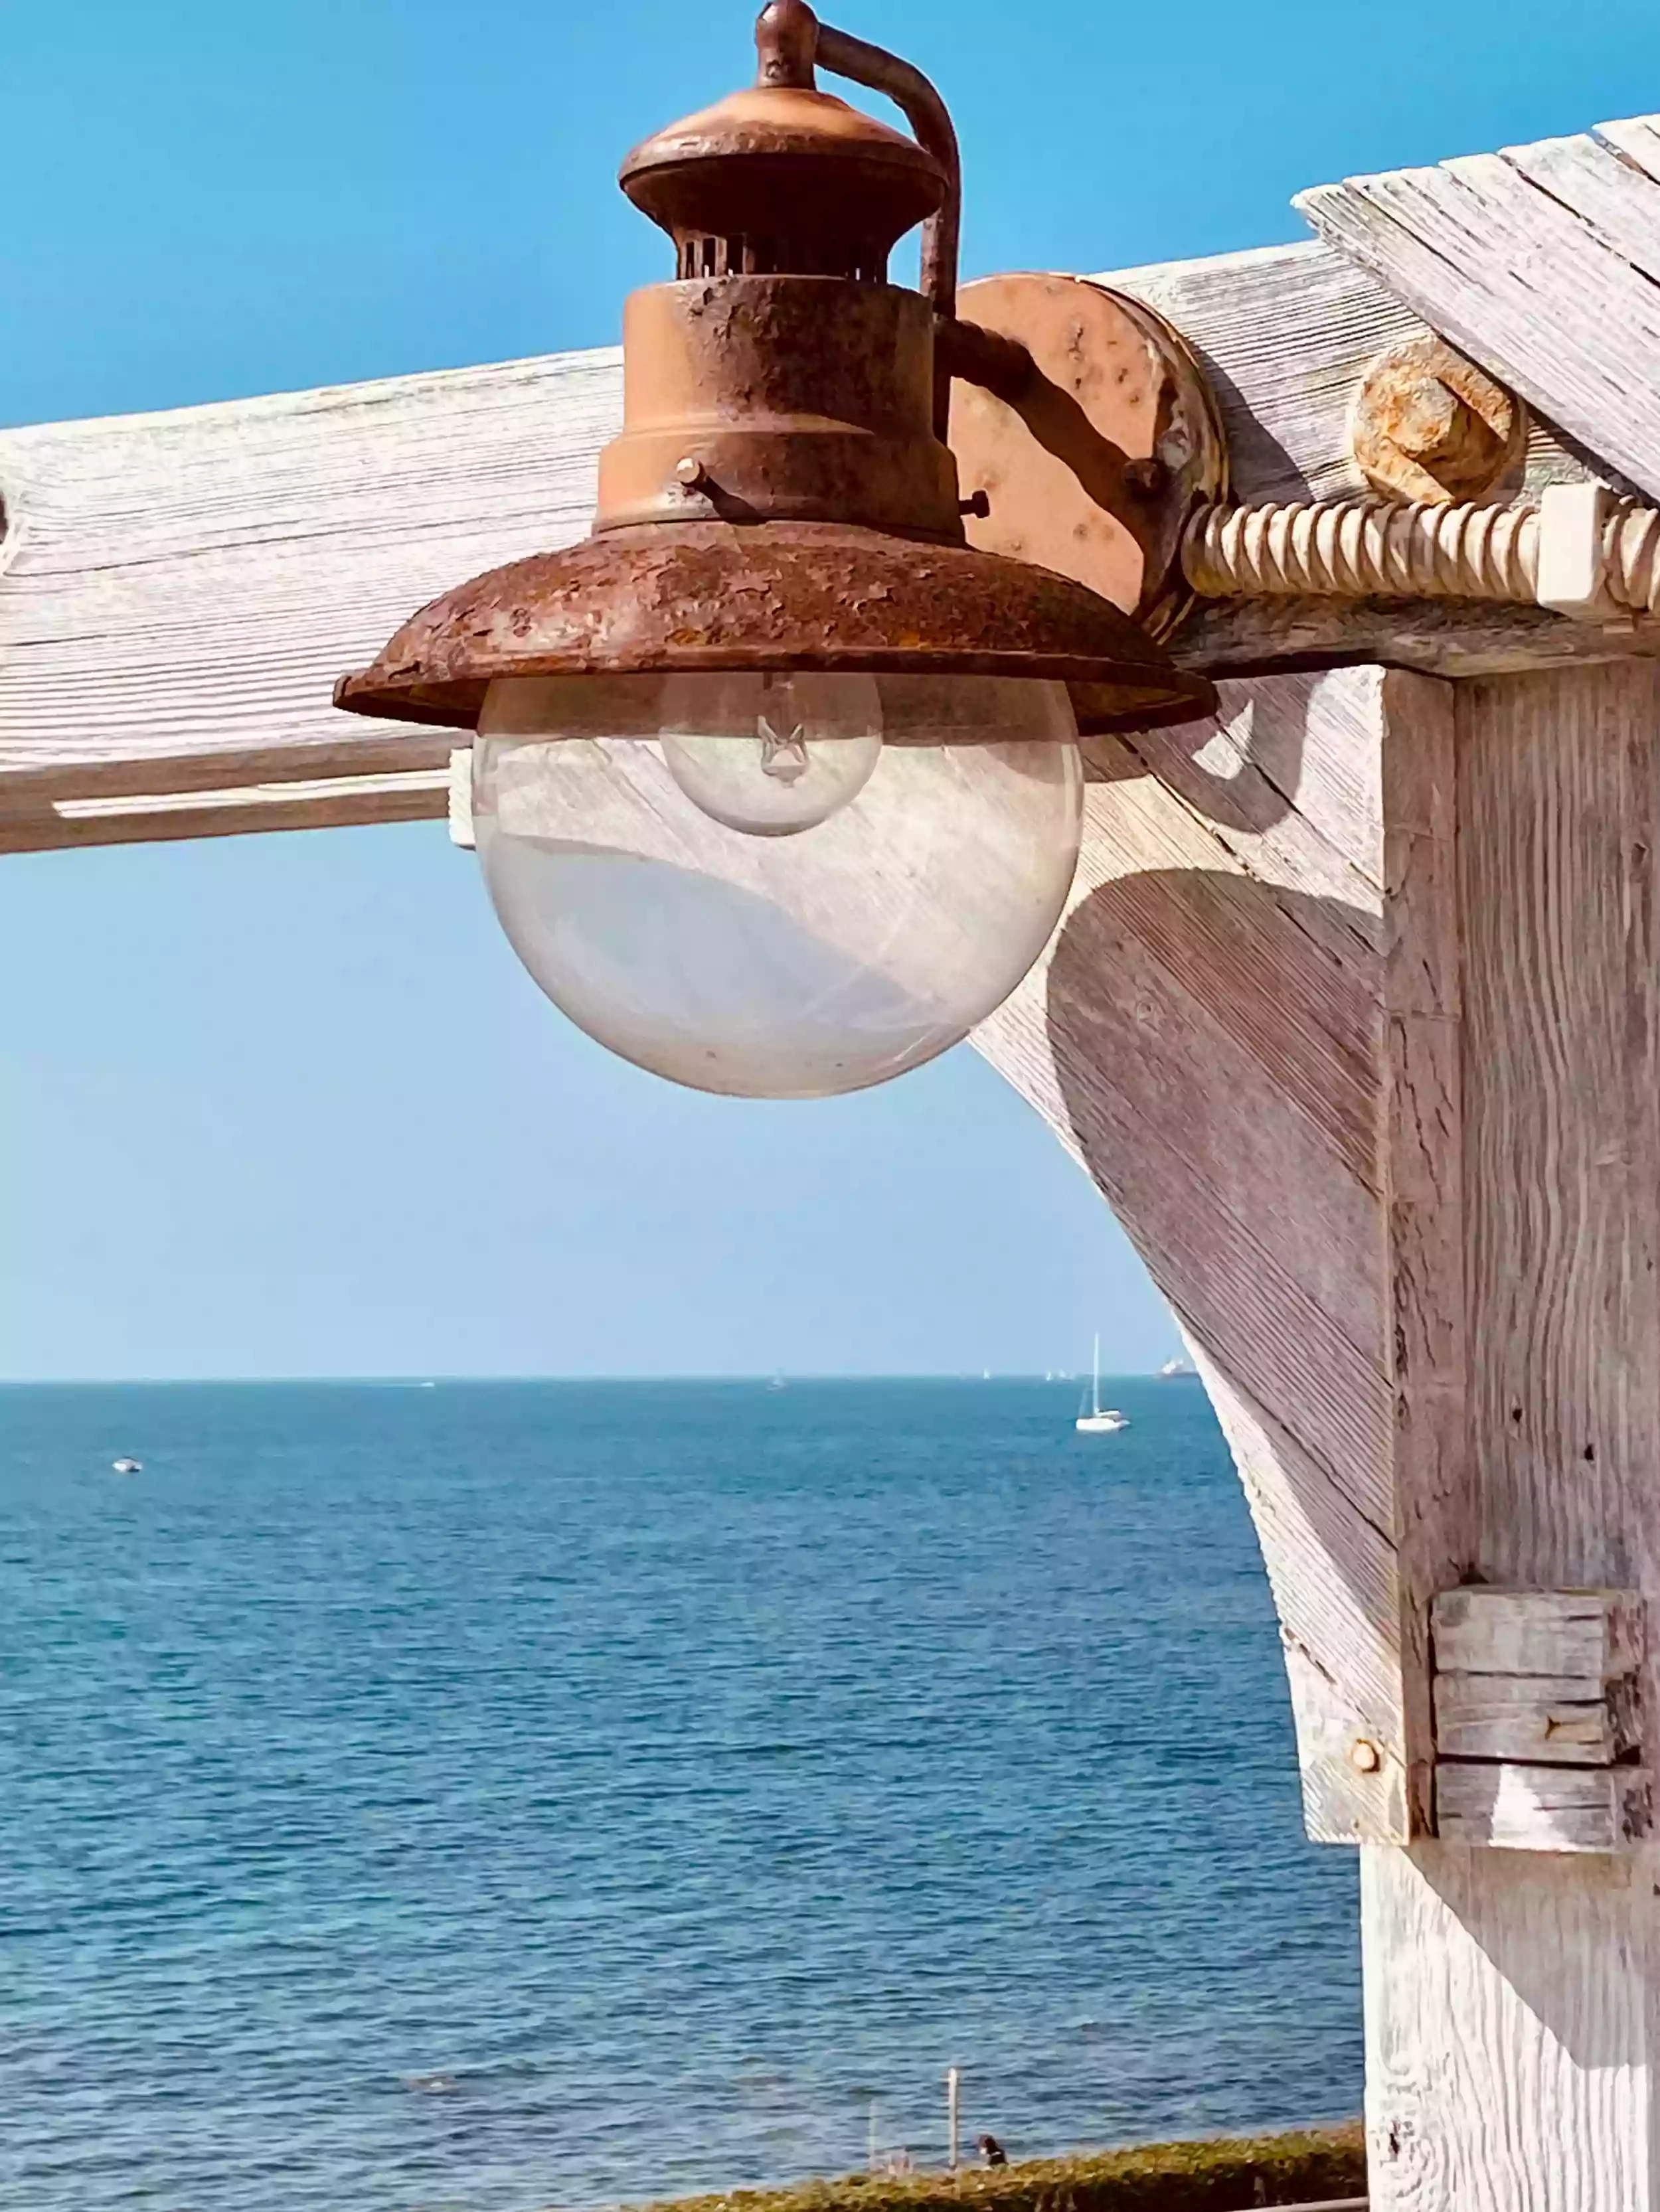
[784, 759]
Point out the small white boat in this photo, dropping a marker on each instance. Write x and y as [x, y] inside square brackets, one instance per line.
[1099, 1420]
[1174, 1369]
[126, 1467]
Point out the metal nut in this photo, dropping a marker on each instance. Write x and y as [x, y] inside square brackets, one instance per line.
[1428, 425]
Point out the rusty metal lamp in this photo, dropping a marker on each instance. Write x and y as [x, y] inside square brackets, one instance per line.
[776, 787]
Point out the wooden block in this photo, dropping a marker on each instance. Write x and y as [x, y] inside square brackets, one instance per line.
[1588, 1635]
[1541, 1809]
[1560, 1720]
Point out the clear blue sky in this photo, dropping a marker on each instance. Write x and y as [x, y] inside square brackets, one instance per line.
[287, 1105]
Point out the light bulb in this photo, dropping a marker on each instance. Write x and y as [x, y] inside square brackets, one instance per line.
[771, 755]
[763, 965]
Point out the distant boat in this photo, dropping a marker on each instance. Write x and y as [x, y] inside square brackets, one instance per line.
[1099, 1420]
[1173, 1367]
[126, 1467]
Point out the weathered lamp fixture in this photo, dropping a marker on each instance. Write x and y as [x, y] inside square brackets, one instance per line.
[777, 788]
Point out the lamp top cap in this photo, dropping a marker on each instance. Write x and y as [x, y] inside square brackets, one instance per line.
[782, 156]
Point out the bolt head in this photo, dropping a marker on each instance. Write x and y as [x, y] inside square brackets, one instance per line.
[1364, 1756]
[689, 472]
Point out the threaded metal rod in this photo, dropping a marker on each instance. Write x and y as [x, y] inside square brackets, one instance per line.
[1375, 548]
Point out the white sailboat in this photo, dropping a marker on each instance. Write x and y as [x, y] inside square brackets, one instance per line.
[1099, 1420]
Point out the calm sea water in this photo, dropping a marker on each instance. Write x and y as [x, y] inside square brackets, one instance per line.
[492, 1796]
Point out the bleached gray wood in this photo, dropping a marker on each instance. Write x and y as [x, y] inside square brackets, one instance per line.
[326, 803]
[1439, 637]
[1501, 2077]
[1486, 1805]
[1556, 1719]
[177, 592]
[1590, 1635]
[1615, 200]
[1512, 1974]
[1636, 141]
[180, 591]
[1246, 1031]
[1523, 282]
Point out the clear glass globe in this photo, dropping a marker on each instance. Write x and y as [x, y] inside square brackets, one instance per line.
[771, 755]
[756, 962]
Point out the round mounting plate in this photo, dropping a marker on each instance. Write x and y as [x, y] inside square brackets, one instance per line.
[1115, 384]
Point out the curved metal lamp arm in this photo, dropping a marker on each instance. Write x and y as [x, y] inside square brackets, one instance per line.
[920, 102]
[789, 39]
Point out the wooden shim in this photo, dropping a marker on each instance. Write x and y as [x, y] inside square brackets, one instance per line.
[1587, 1636]
[1542, 1808]
[1522, 283]
[1555, 1719]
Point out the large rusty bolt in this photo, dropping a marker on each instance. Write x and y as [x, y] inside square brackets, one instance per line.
[1429, 425]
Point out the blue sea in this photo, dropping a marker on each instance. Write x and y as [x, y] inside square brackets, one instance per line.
[501, 1796]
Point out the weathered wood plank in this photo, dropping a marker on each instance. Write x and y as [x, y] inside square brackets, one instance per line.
[1437, 637]
[1611, 196]
[1523, 284]
[177, 586]
[1557, 838]
[1636, 140]
[1512, 2052]
[1559, 1720]
[1501, 2077]
[1484, 1804]
[1589, 1634]
[1225, 965]
[1423, 1156]
[329, 803]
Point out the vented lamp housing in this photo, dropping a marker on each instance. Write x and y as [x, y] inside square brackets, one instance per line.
[776, 784]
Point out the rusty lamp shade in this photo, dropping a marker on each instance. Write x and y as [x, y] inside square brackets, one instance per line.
[777, 781]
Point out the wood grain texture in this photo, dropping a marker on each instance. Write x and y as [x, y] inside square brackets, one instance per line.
[1511, 1992]
[1591, 1636]
[185, 586]
[1557, 835]
[1235, 1031]
[1551, 1719]
[1510, 2031]
[1422, 1071]
[1439, 637]
[1556, 1809]
[327, 802]
[1537, 263]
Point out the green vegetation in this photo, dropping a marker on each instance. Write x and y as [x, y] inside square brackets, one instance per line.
[1220, 2176]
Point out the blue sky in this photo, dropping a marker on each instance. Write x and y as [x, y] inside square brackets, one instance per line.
[287, 1105]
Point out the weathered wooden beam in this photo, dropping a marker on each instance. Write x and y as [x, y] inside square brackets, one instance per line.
[178, 590]
[323, 803]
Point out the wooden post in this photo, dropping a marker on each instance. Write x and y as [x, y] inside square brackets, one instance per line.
[1354, 1022]
[1513, 1996]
